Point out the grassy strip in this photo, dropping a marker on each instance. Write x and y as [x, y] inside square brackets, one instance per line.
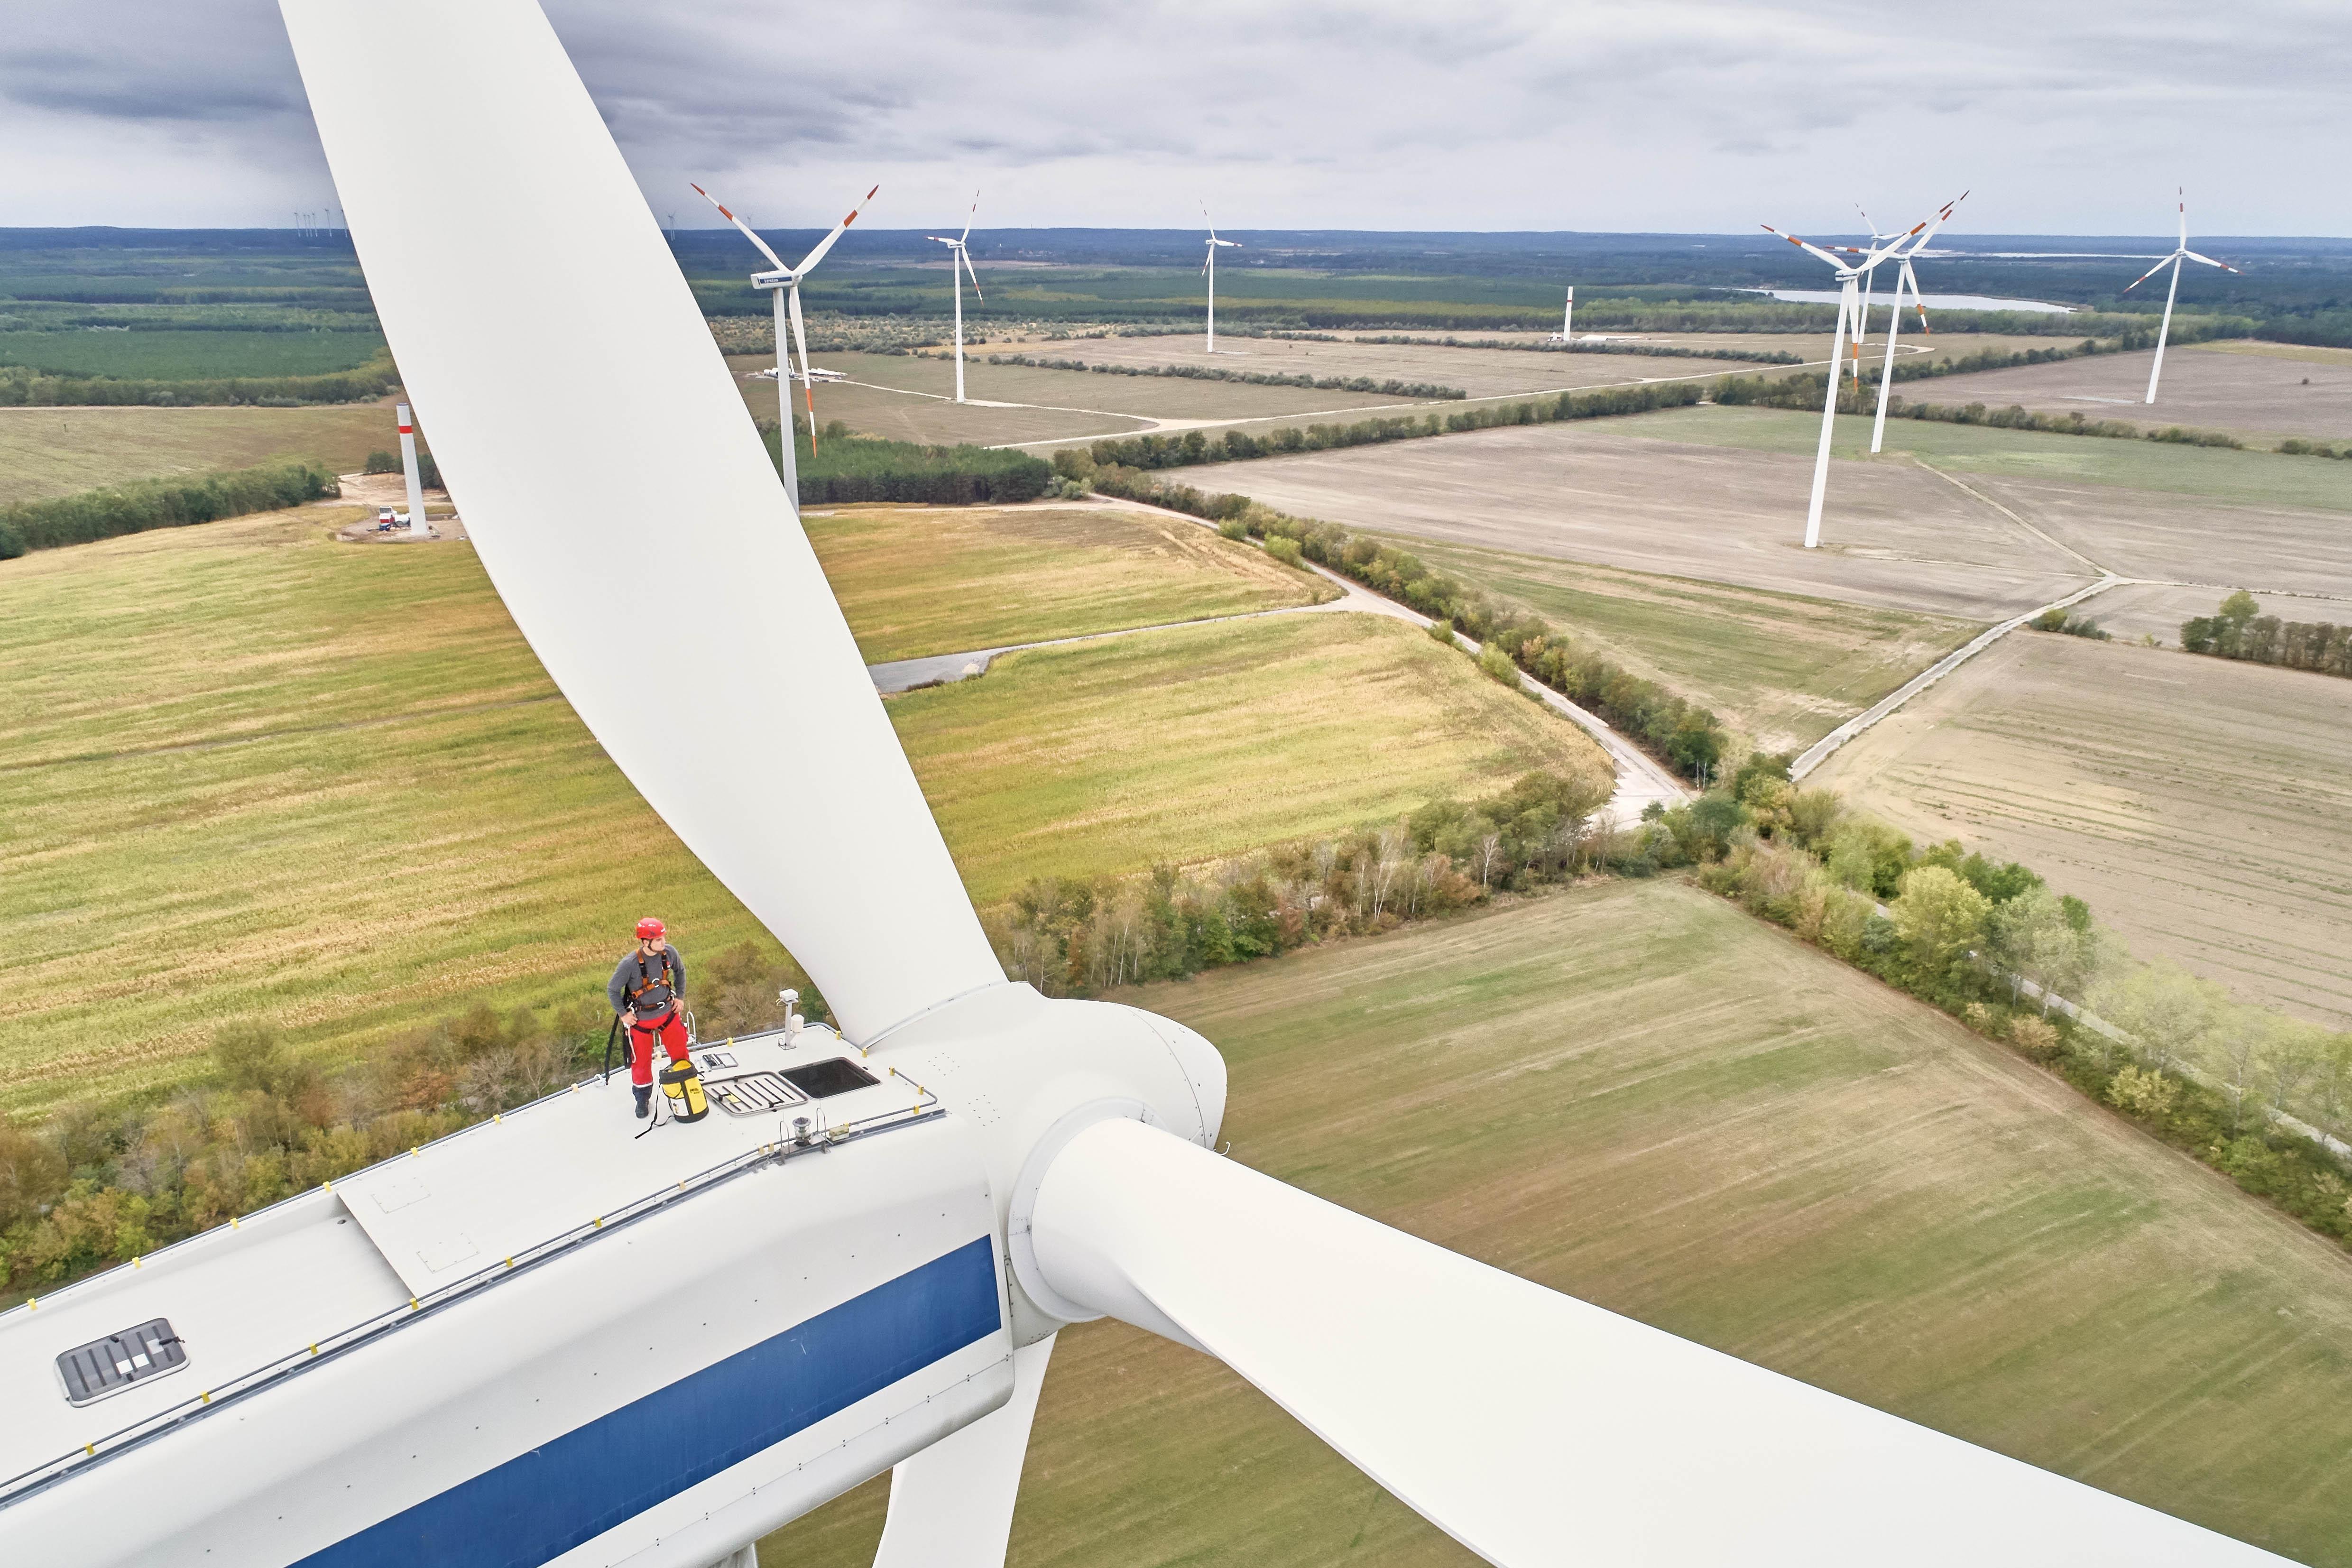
[21, 387]
[845, 468]
[1234, 446]
[1253, 377]
[1681, 733]
[160, 503]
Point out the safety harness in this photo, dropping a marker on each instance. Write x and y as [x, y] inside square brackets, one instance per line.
[645, 981]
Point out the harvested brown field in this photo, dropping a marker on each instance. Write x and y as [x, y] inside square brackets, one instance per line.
[1788, 1161]
[910, 397]
[2204, 807]
[1779, 671]
[1481, 372]
[2207, 386]
[1610, 491]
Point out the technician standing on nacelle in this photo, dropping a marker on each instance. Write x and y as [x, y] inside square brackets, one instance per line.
[646, 991]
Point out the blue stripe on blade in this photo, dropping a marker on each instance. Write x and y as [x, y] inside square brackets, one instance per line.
[547, 1501]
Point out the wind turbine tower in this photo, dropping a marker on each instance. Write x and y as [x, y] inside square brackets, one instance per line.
[960, 256]
[2180, 253]
[417, 528]
[1850, 275]
[1568, 317]
[1903, 278]
[784, 284]
[1209, 268]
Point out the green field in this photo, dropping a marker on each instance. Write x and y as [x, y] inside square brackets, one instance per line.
[1201, 741]
[1780, 670]
[2210, 473]
[168, 356]
[252, 772]
[47, 452]
[1789, 1162]
[930, 581]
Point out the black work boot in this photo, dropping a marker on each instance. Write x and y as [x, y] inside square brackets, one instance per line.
[645, 1101]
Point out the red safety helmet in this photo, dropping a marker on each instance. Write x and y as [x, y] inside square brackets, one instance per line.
[650, 929]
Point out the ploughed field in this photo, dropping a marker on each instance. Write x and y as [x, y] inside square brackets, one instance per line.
[2252, 389]
[1959, 521]
[254, 774]
[2204, 807]
[1635, 1094]
[1780, 670]
[47, 452]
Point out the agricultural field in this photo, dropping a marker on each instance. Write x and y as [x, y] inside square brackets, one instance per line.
[1482, 373]
[1792, 1163]
[1200, 742]
[1952, 520]
[2260, 391]
[47, 452]
[1780, 670]
[910, 397]
[1654, 493]
[167, 355]
[252, 773]
[2204, 807]
[914, 582]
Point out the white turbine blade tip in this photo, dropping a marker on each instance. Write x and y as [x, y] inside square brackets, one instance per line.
[1532, 1427]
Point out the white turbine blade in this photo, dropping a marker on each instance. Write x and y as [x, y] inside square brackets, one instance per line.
[1917, 303]
[965, 256]
[735, 701]
[2181, 195]
[808, 380]
[2153, 270]
[971, 218]
[813, 256]
[952, 1505]
[739, 223]
[1535, 1428]
[1807, 247]
[2210, 262]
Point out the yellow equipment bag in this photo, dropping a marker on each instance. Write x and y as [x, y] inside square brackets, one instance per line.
[683, 1084]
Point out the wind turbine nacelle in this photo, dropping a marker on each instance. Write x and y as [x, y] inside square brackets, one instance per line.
[552, 1337]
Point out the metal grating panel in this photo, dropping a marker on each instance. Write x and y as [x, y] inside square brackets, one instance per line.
[751, 1093]
[110, 1365]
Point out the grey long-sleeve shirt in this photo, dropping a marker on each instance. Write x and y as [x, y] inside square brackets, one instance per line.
[655, 998]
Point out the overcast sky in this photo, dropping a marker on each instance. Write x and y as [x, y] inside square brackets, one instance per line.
[1552, 115]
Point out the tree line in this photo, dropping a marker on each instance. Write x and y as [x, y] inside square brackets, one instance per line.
[1523, 345]
[1679, 730]
[161, 503]
[1997, 948]
[1196, 447]
[428, 472]
[99, 1185]
[2238, 629]
[1418, 389]
[1805, 392]
[1067, 937]
[847, 468]
[21, 387]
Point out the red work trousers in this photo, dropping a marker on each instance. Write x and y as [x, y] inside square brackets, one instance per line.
[670, 1029]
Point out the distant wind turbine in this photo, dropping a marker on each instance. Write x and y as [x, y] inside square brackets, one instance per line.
[2180, 253]
[1903, 278]
[959, 256]
[1850, 274]
[785, 284]
[1209, 267]
[1568, 316]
